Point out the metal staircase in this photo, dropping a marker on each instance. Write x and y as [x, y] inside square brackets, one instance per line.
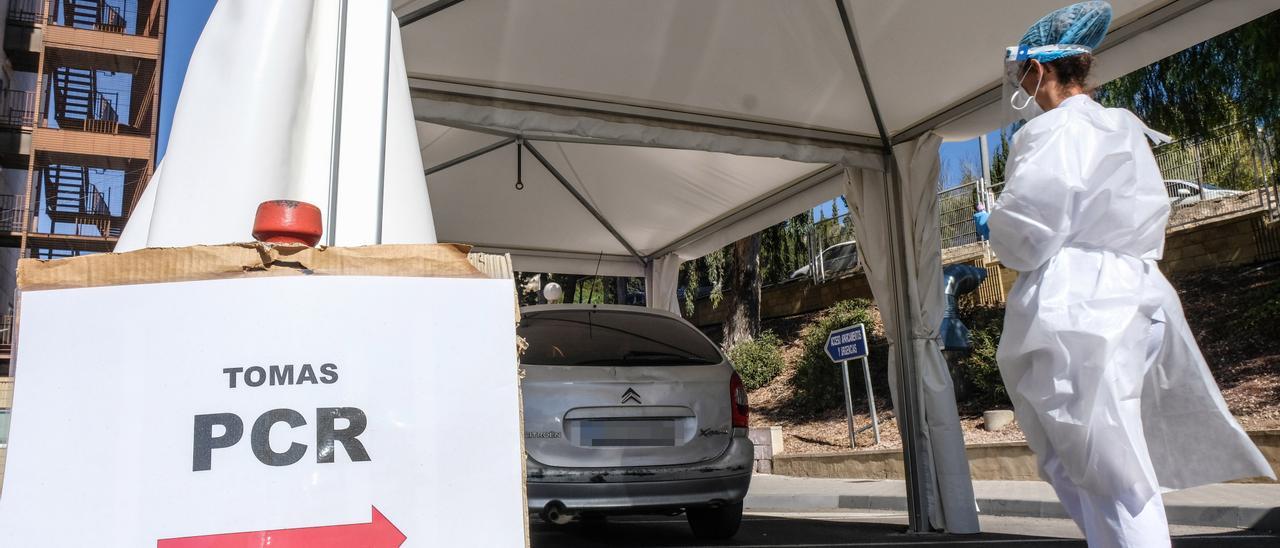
[77, 103]
[71, 198]
[92, 14]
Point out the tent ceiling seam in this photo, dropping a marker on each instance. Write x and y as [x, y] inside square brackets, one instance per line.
[427, 11]
[582, 200]
[796, 186]
[991, 94]
[468, 156]
[425, 87]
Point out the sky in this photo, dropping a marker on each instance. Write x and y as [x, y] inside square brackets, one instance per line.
[187, 18]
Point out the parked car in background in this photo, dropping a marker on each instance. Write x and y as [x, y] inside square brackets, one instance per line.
[1188, 192]
[632, 410]
[838, 258]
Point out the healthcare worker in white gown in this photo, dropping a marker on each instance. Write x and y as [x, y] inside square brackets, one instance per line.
[1106, 379]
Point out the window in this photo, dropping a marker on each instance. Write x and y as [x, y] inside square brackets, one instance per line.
[612, 337]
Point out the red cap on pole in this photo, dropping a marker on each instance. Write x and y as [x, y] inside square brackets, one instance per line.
[287, 222]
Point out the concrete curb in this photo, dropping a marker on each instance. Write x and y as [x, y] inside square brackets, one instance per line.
[1243, 517]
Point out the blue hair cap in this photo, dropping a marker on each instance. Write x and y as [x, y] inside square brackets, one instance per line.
[1083, 24]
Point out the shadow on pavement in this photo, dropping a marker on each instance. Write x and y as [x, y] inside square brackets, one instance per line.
[782, 532]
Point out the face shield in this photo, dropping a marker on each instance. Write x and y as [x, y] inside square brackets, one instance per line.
[1023, 77]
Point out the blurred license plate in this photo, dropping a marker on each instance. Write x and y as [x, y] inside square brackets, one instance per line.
[628, 433]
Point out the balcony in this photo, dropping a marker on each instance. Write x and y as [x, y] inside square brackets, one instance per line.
[27, 11]
[17, 109]
[6, 335]
[12, 213]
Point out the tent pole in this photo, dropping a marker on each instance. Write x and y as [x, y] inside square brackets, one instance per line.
[908, 405]
[335, 140]
[382, 135]
[582, 200]
[426, 11]
[468, 156]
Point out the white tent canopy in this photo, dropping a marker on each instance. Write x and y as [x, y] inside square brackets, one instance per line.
[649, 133]
[658, 131]
[752, 78]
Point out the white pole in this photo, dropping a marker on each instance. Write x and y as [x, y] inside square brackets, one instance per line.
[871, 399]
[335, 140]
[382, 135]
[848, 403]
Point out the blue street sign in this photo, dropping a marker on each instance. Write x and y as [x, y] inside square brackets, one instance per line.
[848, 343]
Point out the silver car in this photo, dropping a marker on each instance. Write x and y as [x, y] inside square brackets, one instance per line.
[1188, 192]
[632, 410]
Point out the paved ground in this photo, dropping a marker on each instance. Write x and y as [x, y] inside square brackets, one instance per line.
[855, 529]
[1222, 505]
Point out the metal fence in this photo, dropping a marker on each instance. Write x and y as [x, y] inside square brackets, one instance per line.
[1226, 173]
[956, 209]
[823, 238]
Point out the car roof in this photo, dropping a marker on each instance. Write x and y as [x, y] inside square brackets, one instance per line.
[609, 307]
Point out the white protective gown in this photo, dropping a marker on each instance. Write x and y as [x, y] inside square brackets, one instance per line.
[1082, 219]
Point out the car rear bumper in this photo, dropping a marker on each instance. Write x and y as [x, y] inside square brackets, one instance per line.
[722, 480]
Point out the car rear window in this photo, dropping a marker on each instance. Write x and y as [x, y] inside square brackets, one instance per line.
[610, 337]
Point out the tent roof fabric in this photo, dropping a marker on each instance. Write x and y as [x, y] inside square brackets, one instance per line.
[763, 94]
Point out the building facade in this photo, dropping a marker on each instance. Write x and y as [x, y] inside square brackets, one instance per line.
[79, 103]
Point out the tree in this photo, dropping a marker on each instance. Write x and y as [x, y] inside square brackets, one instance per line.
[1229, 78]
[743, 322]
[1000, 158]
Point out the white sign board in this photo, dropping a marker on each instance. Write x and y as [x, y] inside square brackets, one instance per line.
[290, 412]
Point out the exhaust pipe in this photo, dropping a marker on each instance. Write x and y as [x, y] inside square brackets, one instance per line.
[555, 512]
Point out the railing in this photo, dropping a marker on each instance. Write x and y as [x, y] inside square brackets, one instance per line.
[12, 213]
[110, 19]
[17, 108]
[102, 114]
[6, 333]
[822, 236]
[1226, 173]
[108, 16]
[26, 11]
[956, 209]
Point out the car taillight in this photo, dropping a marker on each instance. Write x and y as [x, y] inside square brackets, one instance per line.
[738, 401]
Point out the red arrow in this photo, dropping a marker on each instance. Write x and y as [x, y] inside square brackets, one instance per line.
[378, 533]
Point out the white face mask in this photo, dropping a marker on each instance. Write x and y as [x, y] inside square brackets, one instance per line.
[1028, 108]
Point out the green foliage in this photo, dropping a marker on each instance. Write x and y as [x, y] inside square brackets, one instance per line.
[1000, 159]
[713, 267]
[782, 251]
[816, 384]
[978, 370]
[1226, 79]
[758, 360]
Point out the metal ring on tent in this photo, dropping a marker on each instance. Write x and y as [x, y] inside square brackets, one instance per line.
[519, 163]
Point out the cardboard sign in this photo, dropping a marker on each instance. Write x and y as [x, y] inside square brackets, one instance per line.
[847, 343]
[291, 411]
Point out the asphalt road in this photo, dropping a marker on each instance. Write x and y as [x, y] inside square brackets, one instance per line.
[855, 529]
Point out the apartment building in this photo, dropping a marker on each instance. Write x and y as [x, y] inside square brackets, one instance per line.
[79, 98]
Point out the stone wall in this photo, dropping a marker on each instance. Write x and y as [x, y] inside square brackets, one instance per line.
[992, 461]
[788, 299]
[768, 442]
[1230, 241]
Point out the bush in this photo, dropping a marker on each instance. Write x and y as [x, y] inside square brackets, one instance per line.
[978, 370]
[759, 360]
[816, 384]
